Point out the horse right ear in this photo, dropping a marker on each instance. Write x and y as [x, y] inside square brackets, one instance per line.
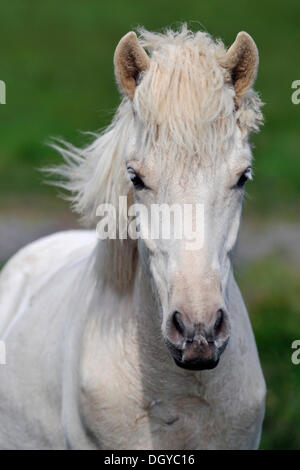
[130, 60]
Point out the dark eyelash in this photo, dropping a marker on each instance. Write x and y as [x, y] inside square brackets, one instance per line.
[243, 178]
[241, 182]
[136, 179]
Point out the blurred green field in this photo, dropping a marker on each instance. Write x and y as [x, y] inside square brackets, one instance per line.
[271, 292]
[56, 60]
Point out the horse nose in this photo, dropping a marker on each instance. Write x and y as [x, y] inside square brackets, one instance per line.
[197, 345]
[184, 329]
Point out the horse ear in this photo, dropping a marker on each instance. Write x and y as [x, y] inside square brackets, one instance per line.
[242, 61]
[130, 60]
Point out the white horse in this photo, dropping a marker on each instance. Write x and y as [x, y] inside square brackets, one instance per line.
[113, 344]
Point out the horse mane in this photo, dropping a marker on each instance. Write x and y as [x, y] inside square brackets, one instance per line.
[185, 94]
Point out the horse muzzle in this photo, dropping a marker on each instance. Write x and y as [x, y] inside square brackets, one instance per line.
[196, 347]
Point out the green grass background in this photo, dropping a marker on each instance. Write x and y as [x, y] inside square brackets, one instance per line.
[56, 60]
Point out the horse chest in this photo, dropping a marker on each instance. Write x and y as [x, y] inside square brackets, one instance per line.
[185, 421]
[194, 423]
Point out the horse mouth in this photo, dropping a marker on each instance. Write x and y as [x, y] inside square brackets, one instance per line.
[207, 359]
[197, 365]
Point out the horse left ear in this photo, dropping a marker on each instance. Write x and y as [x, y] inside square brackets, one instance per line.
[242, 62]
[130, 60]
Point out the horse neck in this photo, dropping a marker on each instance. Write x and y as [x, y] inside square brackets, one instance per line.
[146, 315]
[157, 371]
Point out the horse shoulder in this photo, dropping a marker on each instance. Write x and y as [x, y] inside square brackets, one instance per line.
[32, 285]
[31, 265]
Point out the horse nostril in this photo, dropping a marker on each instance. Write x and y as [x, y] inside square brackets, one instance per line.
[182, 326]
[178, 323]
[219, 322]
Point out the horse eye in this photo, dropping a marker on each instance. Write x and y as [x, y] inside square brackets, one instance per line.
[136, 179]
[244, 177]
